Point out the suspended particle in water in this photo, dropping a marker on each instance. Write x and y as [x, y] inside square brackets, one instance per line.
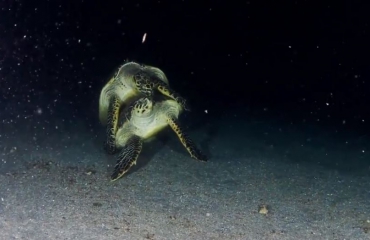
[144, 38]
[39, 111]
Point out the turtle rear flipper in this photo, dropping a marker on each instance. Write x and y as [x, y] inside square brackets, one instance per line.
[185, 140]
[112, 123]
[127, 157]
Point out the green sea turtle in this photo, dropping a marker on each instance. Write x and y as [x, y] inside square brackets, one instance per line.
[131, 81]
[144, 119]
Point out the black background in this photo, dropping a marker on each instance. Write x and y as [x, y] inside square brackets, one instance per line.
[299, 60]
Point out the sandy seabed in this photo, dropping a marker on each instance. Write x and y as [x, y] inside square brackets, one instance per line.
[56, 186]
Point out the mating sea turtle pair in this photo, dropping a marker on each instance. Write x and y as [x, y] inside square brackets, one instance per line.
[131, 81]
[145, 118]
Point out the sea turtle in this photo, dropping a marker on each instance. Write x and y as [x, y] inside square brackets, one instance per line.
[131, 81]
[144, 119]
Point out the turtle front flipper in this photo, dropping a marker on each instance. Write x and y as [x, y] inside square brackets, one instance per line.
[112, 122]
[146, 85]
[104, 98]
[127, 157]
[185, 140]
[167, 91]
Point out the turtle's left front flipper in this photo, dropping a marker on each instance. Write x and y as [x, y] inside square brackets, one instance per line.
[168, 92]
[185, 140]
[127, 157]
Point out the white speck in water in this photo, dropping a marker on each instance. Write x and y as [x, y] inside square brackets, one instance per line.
[144, 37]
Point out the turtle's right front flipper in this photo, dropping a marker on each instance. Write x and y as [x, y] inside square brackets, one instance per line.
[112, 122]
[104, 100]
[127, 157]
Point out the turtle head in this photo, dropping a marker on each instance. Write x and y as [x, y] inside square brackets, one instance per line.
[142, 107]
